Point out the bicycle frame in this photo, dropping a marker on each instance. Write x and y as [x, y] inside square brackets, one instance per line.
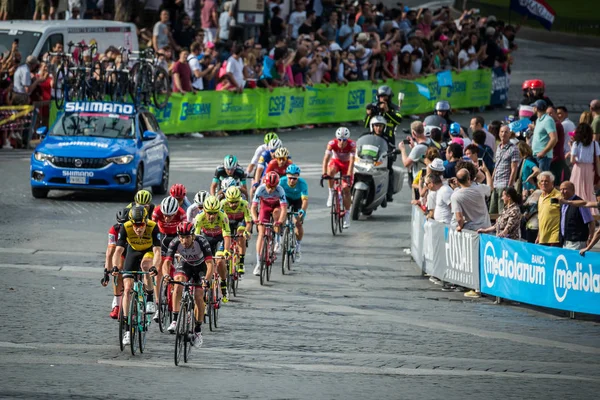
[338, 210]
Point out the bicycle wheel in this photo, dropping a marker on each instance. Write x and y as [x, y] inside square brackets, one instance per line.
[133, 321]
[334, 217]
[143, 326]
[285, 250]
[164, 315]
[292, 247]
[208, 312]
[217, 305]
[97, 82]
[122, 328]
[161, 89]
[60, 86]
[264, 253]
[189, 329]
[341, 212]
[180, 335]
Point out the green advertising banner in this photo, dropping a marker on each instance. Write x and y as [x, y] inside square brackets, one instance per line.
[284, 107]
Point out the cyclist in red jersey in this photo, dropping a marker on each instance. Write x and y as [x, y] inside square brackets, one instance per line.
[167, 217]
[339, 156]
[281, 162]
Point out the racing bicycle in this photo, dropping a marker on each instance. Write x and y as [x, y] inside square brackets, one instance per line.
[138, 320]
[149, 79]
[338, 210]
[233, 277]
[186, 321]
[288, 250]
[212, 301]
[267, 253]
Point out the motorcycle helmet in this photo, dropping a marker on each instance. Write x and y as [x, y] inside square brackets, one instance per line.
[442, 106]
[378, 119]
[434, 122]
[384, 91]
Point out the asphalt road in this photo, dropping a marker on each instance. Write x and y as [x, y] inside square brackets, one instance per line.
[353, 320]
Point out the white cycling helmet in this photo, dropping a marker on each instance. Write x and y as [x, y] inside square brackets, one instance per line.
[378, 119]
[274, 144]
[342, 133]
[200, 197]
[169, 206]
[228, 182]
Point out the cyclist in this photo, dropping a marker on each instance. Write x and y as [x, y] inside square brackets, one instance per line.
[195, 262]
[259, 150]
[214, 225]
[296, 192]
[113, 233]
[226, 184]
[385, 108]
[273, 202]
[240, 221]
[179, 192]
[264, 159]
[140, 237]
[230, 168]
[281, 161]
[196, 207]
[339, 156]
[143, 198]
[167, 217]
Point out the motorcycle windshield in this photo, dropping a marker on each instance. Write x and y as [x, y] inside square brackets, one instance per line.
[371, 147]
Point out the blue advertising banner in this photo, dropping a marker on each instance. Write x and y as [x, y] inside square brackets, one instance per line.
[535, 9]
[540, 275]
[500, 84]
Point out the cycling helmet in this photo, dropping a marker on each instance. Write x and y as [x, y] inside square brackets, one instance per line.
[274, 144]
[454, 128]
[378, 119]
[212, 204]
[536, 84]
[342, 133]
[200, 197]
[270, 136]
[123, 215]
[526, 84]
[138, 214]
[384, 91]
[442, 106]
[230, 162]
[272, 179]
[143, 197]
[434, 121]
[233, 194]
[293, 170]
[178, 191]
[227, 183]
[185, 228]
[282, 152]
[169, 206]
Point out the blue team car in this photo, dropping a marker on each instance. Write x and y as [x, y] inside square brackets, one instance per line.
[101, 146]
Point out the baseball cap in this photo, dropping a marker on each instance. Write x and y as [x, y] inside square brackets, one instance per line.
[455, 128]
[334, 47]
[362, 37]
[210, 45]
[539, 104]
[458, 140]
[437, 165]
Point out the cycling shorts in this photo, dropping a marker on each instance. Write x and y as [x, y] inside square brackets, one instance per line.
[234, 225]
[191, 272]
[216, 244]
[265, 212]
[294, 205]
[133, 260]
[344, 168]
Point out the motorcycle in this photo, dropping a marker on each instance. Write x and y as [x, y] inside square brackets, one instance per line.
[371, 175]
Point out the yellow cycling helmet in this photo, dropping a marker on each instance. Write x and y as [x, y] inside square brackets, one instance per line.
[138, 214]
[282, 152]
[233, 194]
[212, 204]
[143, 197]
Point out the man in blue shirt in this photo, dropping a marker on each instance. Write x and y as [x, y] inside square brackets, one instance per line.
[544, 136]
[296, 192]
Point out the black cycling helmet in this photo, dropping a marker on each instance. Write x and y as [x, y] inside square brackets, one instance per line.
[123, 215]
[138, 214]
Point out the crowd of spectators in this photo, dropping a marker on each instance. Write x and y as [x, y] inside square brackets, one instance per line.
[541, 185]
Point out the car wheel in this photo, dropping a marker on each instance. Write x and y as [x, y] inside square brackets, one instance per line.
[39, 193]
[139, 179]
[164, 183]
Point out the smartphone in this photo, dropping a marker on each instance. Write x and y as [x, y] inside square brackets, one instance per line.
[480, 162]
[406, 141]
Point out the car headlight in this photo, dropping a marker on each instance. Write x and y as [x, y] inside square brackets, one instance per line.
[42, 156]
[121, 159]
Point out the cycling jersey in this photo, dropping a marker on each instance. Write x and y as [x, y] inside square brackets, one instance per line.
[239, 175]
[113, 234]
[299, 191]
[168, 228]
[259, 150]
[218, 227]
[148, 240]
[341, 153]
[195, 255]
[186, 203]
[265, 159]
[237, 214]
[273, 199]
[192, 211]
[274, 166]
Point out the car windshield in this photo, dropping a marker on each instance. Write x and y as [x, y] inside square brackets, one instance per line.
[111, 126]
[27, 41]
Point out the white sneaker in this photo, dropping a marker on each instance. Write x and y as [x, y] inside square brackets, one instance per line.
[256, 269]
[150, 307]
[277, 248]
[298, 256]
[346, 221]
[330, 199]
[7, 146]
[126, 339]
[155, 317]
[172, 327]
[197, 135]
[197, 339]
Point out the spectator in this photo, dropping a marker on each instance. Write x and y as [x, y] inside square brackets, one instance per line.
[468, 57]
[431, 154]
[297, 18]
[584, 159]
[505, 169]
[76, 8]
[235, 68]
[528, 171]
[3, 10]
[494, 56]
[586, 117]
[454, 153]
[484, 152]
[226, 19]
[558, 167]
[199, 70]
[407, 24]
[548, 211]
[185, 33]
[478, 124]
[348, 31]
[318, 68]
[576, 223]
[508, 223]
[595, 110]
[209, 20]
[419, 145]
[151, 12]
[328, 32]
[182, 74]
[442, 212]
[468, 204]
[278, 25]
[161, 33]
[568, 126]
[308, 27]
[472, 153]
[23, 85]
[544, 136]
[41, 10]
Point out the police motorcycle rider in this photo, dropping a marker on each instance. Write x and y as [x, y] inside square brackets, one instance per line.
[390, 113]
[443, 109]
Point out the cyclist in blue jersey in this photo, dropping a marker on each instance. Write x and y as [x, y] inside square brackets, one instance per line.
[264, 160]
[296, 192]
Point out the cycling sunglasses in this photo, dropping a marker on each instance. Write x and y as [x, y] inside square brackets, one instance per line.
[292, 178]
[282, 159]
[139, 225]
[211, 212]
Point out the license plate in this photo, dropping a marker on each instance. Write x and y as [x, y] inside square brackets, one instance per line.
[78, 180]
